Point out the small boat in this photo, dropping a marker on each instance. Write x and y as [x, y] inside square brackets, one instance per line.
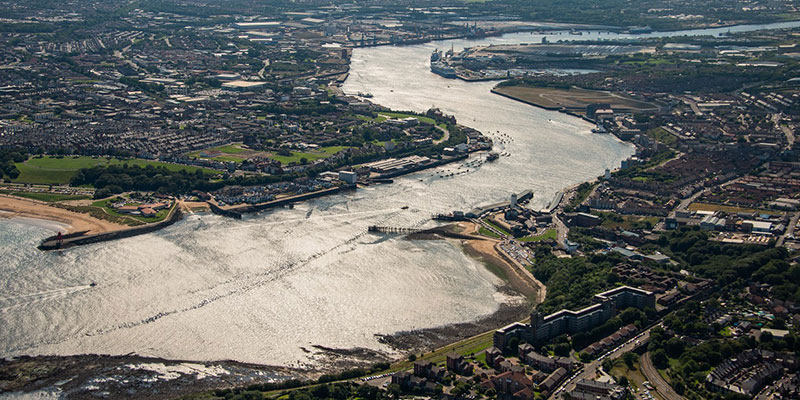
[404, 208]
[92, 284]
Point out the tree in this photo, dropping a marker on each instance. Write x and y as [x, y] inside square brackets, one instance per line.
[608, 365]
[660, 359]
[562, 349]
[630, 358]
[395, 390]
[511, 347]
[674, 347]
[13, 173]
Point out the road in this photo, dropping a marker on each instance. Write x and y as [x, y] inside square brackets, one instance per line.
[776, 118]
[789, 228]
[684, 205]
[692, 104]
[445, 135]
[589, 371]
[662, 387]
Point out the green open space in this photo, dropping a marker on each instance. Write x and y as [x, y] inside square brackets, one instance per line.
[230, 153]
[550, 234]
[313, 155]
[614, 221]
[53, 170]
[661, 135]
[378, 119]
[635, 377]
[421, 118]
[105, 205]
[495, 226]
[485, 232]
[48, 197]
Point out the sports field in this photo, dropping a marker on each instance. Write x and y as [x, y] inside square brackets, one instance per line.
[236, 152]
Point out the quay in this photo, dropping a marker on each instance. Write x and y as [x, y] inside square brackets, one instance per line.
[236, 212]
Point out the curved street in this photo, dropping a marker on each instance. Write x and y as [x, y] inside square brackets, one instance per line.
[651, 373]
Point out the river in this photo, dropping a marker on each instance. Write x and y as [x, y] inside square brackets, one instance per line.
[268, 288]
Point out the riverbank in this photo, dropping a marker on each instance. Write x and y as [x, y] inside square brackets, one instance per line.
[514, 274]
[129, 376]
[73, 221]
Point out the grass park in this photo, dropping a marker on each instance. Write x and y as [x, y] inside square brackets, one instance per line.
[550, 234]
[105, 205]
[235, 152]
[55, 170]
[46, 197]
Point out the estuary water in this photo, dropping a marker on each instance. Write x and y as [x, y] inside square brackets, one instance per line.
[268, 288]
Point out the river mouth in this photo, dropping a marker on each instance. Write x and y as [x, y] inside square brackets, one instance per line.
[272, 288]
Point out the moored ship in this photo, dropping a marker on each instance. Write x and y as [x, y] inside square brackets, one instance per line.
[444, 70]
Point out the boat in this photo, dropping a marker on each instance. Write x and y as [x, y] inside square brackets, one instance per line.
[443, 70]
[492, 156]
[92, 284]
[600, 129]
[436, 56]
[404, 208]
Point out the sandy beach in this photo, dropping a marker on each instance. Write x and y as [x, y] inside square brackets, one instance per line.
[517, 276]
[74, 222]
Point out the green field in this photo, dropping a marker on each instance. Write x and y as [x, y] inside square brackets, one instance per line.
[231, 149]
[423, 119]
[104, 205]
[548, 234]
[495, 226]
[231, 152]
[48, 197]
[53, 170]
[377, 119]
[323, 152]
[485, 232]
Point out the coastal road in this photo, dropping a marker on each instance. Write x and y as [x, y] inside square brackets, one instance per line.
[662, 387]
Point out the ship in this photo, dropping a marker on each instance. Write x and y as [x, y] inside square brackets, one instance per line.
[436, 56]
[600, 129]
[492, 156]
[443, 70]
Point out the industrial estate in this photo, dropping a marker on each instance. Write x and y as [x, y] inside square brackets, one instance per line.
[672, 276]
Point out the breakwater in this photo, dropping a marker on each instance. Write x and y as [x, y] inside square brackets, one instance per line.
[80, 238]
